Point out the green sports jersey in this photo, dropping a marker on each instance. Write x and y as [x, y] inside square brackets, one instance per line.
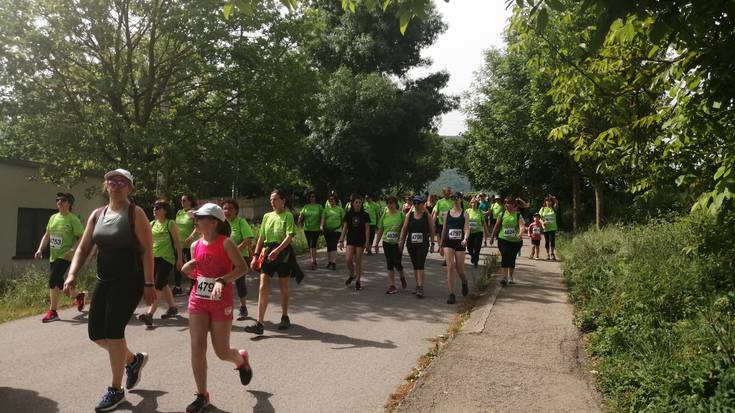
[312, 214]
[442, 207]
[476, 220]
[549, 217]
[184, 224]
[372, 210]
[510, 227]
[240, 230]
[162, 246]
[275, 227]
[391, 225]
[63, 231]
[333, 218]
[497, 209]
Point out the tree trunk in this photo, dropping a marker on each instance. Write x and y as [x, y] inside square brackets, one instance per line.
[576, 200]
[598, 206]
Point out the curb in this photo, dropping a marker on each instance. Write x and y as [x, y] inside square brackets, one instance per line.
[478, 318]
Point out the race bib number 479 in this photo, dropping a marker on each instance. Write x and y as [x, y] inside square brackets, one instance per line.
[205, 285]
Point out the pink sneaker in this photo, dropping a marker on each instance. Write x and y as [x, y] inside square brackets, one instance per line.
[51, 315]
[392, 290]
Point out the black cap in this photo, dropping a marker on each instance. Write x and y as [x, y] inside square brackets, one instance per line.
[418, 199]
[457, 195]
[66, 195]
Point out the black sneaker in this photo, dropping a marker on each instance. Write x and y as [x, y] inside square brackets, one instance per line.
[246, 373]
[146, 319]
[134, 369]
[419, 292]
[110, 400]
[451, 299]
[243, 314]
[349, 280]
[170, 313]
[368, 252]
[358, 286]
[256, 328]
[176, 291]
[504, 281]
[332, 266]
[285, 323]
[465, 288]
[199, 404]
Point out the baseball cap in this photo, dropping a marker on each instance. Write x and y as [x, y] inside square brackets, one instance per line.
[120, 172]
[210, 210]
[418, 199]
[457, 195]
[66, 195]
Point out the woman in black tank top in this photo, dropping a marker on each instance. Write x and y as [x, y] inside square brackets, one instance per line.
[453, 241]
[417, 232]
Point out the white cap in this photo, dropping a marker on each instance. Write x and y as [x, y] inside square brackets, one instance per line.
[210, 209]
[120, 172]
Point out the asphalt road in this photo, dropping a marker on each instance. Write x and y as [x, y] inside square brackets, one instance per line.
[346, 351]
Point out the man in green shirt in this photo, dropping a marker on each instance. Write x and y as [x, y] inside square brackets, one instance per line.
[63, 232]
[371, 207]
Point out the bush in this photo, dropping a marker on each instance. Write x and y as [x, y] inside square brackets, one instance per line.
[658, 302]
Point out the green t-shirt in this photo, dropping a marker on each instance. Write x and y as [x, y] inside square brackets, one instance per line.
[497, 209]
[476, 220]
[63, 231]
[509, 227]
[184, 224]
[372, 210]
[240, 229]
[339, 204]
[162, 246]
[442, 207]
[391, 225]
[275, 227]
[333, 218]
[312, 216]
[549, 216]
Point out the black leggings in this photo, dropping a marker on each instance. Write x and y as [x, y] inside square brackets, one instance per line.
[392, 256]
[242, 287]
[113, 303]
[162, 269]
[508, 252]
[312, 238]
[331, 237]
[371, 235]
[550, 239]
[418, 255]
[473, 246]
[186, 252]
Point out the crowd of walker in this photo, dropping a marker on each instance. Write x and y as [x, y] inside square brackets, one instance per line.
[213, 246]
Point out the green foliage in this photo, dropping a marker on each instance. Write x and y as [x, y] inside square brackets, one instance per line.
[658, 302]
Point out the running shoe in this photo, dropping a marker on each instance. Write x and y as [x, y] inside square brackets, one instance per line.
[358, 286]
[243, 314]
[199, 404]
[79, 301]
[504, 281]
[110, 400]
[51, 315]
[170, 313]
[553, 257]
[368, 252]
[419, 292]
[392, 290]
[332, 266]
[176, 291]
[349, 280]
[465, 288]
[146, 319]
[133, 370]
[313, 266]
[451, 299]
[256, 328]
[246, 373]
[404, 284]
[285, 323]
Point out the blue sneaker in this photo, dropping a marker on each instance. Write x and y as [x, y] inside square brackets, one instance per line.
[134, 369]
[110, 400]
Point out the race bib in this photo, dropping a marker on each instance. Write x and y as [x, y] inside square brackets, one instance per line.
[391, 236]
[536, 231]
[549, 219]
[205, 285]
[509, 232]
[455, 234]
[417, 237]
[56, 242]
[473, 224]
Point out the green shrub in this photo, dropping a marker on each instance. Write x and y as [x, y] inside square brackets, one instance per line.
[658, 302]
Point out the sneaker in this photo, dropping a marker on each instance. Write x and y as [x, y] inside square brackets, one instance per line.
[146, 319]
[419, 292]
[451, 299]
[404, 284]
[504, 281]
[170, 313]
[110, 400]
[465, 288]
[256, 328]
[548, 257]
[246, 373]
[176, 291]
[332, 266]
[349, 280]
[285, 323]
[313, 266]
[133, 370]
[199, 404]
[79, 301]
[358, 286]
[243, 313]
[392, 290]
[368, 252]
[553, 257]
[51, 315]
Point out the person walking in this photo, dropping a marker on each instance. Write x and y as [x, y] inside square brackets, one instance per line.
[478, 231]
[509, 231]
[356, 229]
[310, 217]
[63, 232]
[185, 226]
[453, 240]
[124, 243]
[534, 232]
[389, 230]
[330, 225]
[496, 208]
[441, 208]
[242, 235]
[549, 223]
[372, 209]
[416, 234]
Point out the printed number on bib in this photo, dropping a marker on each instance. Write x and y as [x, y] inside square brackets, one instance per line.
[455, 234]
[536, 231]
[417, 237]
[55, 242]
[205, 285]
[473, 225]
[549, 219]
[391, 236]
[509, 232]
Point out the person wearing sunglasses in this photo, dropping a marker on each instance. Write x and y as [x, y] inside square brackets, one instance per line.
[124, 243]
[453, 241]
[356, 229]
[63, 232]
[416, 234]
[330, 225]
[310, 217]
[389, 230]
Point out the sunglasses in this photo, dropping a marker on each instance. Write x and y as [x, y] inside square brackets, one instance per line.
[119, 183]
[62, 200]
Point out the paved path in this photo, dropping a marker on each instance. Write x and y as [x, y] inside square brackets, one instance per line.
[524, 355]
[346, 352]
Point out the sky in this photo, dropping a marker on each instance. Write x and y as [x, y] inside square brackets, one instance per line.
[473, 26]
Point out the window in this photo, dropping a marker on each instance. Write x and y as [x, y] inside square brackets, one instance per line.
[31, 227]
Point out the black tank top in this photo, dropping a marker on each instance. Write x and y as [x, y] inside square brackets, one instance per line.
[418, 230]
[454, 227]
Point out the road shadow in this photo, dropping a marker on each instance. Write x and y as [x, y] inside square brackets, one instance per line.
[148, 404]
[78, 319]
[26, 401]
[263, 404]
[301, 333]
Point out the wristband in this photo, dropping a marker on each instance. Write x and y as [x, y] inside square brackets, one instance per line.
[149, 285]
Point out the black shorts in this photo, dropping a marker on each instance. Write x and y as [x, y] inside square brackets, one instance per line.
[392, 256]
[280, 265]
[508, 252]
[58, 269]
[536, 242]
[162, 269]
[356, 243]
[418, 255]
[113, 303]
[312, 238]
[331, 237]
[454, 244]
